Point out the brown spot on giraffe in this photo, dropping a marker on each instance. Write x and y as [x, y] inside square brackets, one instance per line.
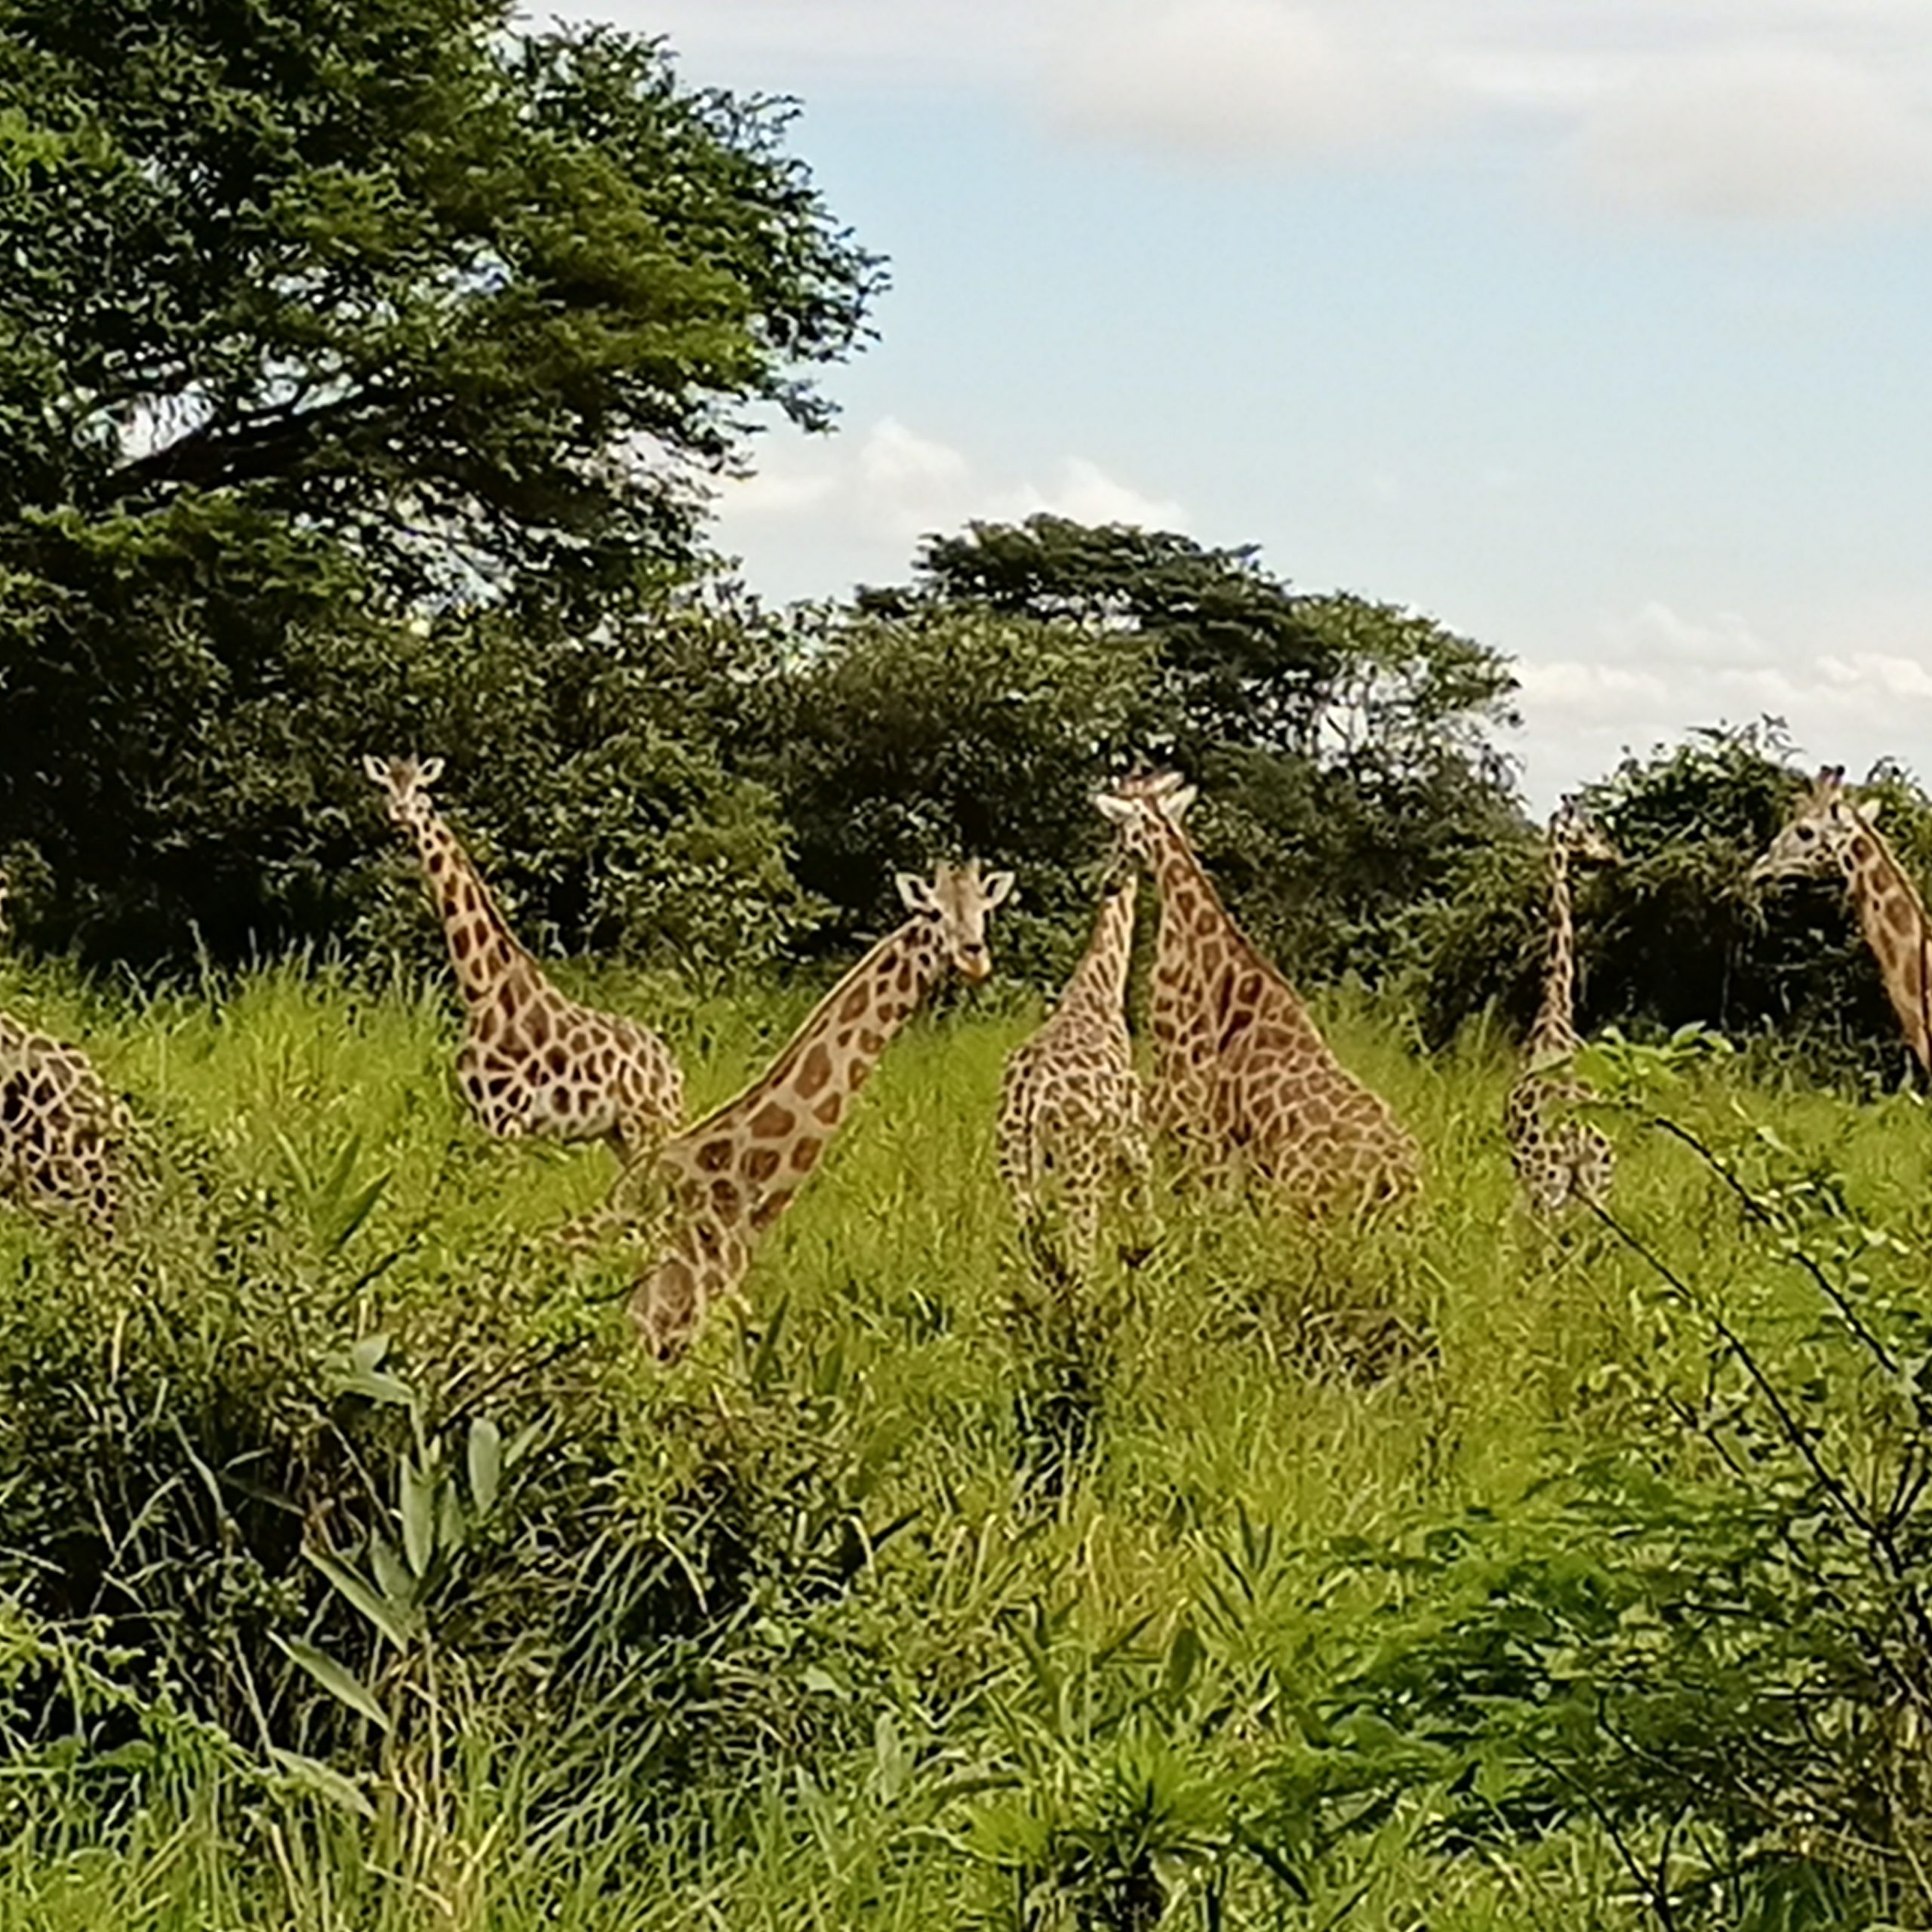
[814, 1070]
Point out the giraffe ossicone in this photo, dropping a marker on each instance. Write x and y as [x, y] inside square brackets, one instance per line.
[1830, 831]
[727, 1178]
[1559, 1158]
[1070, 1113]
[532, 1062]
[1243, 1080]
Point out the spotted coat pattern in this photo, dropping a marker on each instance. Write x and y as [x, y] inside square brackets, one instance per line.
[1829, 833]
[63, 1133]
[1559, 1159]
[729, 1177]
[1244, 1081]
[532, 1062]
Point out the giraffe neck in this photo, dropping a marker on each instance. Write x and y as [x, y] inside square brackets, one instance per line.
[1099, 984]
[1892, 917]
[1191, 912]
[1555, 1028]
[482, 949]
[761, 1145]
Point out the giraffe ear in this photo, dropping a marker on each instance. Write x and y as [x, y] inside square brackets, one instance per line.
[1870, 810]
[377, 769]
[916, 891]
[998, 889]
[1122, 811]
[428, 771]
[1175, 803]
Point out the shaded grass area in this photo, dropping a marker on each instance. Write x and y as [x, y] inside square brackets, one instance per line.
[922, 1593]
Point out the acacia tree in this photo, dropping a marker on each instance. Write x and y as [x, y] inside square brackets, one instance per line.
[319, 313]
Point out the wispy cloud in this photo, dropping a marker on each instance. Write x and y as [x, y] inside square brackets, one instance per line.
[1651, 673]
[1712, 110]
[871, 497]
[1234, 77]
[1755, 132]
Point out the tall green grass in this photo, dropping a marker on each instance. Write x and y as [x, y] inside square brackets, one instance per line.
[921, 1593]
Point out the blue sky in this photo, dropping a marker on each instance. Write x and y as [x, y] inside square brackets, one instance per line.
[1600, 330]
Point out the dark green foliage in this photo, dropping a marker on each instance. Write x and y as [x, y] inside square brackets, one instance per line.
[954, 731]
[1342, 746]
[316, 316]
[1234, 658]
[1678, 933]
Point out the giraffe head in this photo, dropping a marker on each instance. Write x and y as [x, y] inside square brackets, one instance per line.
[1146, 808]
[405, 784]
[1819, 835]
[1579, 837]
[957, 898]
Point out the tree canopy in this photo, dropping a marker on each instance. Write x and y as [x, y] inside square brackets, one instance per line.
[322, 313]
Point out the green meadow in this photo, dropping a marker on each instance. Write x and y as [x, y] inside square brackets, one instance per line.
[360, 1572]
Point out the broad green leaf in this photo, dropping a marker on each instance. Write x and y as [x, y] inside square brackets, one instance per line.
[336, 1678]
[324, 1780]
[486, 1463]
[397, 1623]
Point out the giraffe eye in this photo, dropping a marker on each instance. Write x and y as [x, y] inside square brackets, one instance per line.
[1806, 834]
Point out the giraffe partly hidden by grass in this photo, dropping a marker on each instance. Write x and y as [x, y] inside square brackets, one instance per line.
[1244, 1082]
[730, 1176]
[1559, 1159]
[1070, 1114]
[1830, 831]
[532, 1062]
[64, 1134]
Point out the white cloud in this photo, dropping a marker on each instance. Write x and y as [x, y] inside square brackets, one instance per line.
[1232, 77]
[1653, 673]
[1727, 109]
[1754, 132]
[872, 498]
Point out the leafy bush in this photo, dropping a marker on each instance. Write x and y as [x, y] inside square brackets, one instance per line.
[1713, 1637]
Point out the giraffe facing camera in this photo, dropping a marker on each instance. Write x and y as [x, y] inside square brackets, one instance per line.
[731, 1175]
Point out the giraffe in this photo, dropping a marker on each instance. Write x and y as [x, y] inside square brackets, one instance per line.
[731, 1175]
[1558, 1157]
[532, 1062]
[1830, 831]
[1070, 1105]
[63, 1132]
[1243, 1077]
